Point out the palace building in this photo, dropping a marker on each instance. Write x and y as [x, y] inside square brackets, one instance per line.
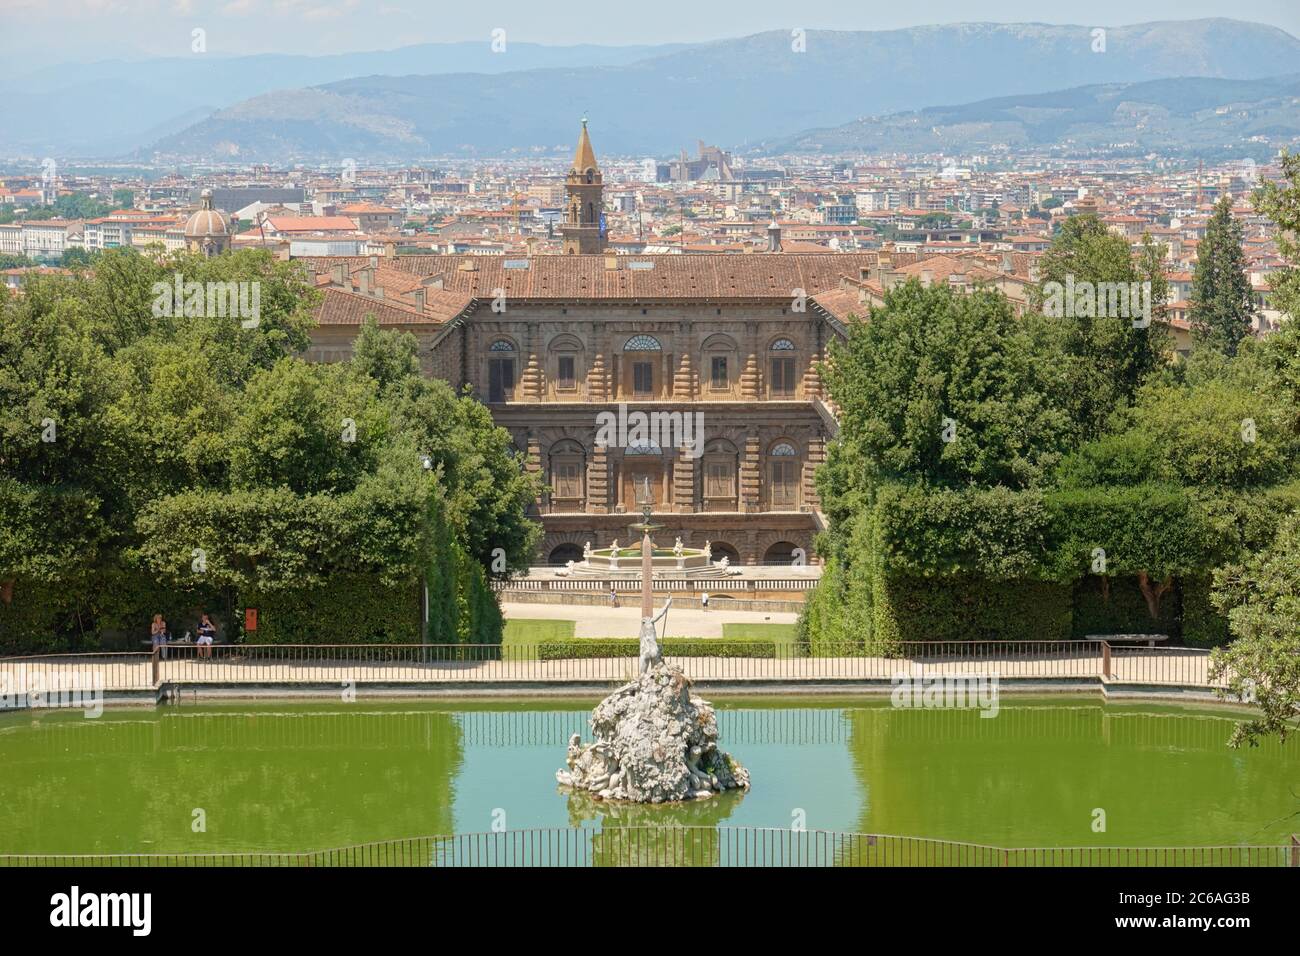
[556, 345]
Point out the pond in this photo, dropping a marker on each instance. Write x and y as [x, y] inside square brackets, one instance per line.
[306, 776]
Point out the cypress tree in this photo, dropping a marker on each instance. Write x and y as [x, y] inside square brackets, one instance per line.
[1221, 307]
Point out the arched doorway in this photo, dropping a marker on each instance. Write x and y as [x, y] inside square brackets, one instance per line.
[720, 550]
[781, 553]
[564, 553]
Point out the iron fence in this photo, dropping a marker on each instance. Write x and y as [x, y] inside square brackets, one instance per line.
[693, 846]
[596, 661]
[632, 584]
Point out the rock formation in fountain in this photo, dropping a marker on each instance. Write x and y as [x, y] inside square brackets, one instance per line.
[656, 742]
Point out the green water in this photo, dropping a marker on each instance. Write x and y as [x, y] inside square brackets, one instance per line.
[311, 776]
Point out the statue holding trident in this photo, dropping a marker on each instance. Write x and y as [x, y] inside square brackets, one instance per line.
[655, 741]
[650, 652]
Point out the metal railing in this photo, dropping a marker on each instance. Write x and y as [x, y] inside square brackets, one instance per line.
[597, 661]
[633, 584]
[692, 846]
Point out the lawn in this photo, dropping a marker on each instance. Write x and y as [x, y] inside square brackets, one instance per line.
[522, 634]
[783, 635]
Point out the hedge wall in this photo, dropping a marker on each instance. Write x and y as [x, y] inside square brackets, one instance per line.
[1202, 624]
[30, 622]
[1121, 610]
[970, 609]
[672, 646]
[350, 609]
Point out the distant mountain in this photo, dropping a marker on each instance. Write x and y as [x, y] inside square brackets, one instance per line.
[115, 106]
[731, 92]
[1193, 116]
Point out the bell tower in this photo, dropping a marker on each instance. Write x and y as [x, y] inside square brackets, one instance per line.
[583, 229]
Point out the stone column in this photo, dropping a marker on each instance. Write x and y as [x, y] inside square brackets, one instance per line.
[684, 481]
[812, 382]
[685, 381]
[598, 374]
[749, 378]
[598, 482]
[531, 382]
[816, 455]
[750, 468]
[533, 462]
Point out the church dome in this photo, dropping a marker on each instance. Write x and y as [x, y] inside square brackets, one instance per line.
[206, 222]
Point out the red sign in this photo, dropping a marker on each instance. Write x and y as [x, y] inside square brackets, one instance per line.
[250, 619]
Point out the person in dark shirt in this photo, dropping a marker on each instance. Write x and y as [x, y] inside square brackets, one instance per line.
[207, 634]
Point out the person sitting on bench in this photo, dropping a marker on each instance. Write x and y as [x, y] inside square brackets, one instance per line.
[158, 635]
[207, 634]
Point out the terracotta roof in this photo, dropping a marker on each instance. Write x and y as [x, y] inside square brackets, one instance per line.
[841, 303]
[339, 307]
[692, 277]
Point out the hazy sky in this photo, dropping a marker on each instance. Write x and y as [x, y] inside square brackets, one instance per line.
[39, 32]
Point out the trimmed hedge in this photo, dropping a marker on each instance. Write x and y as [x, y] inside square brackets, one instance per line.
[1203, 625]
[579, 648]
[970, 609]
[350, 609]
[997, 532]
[1122, 611]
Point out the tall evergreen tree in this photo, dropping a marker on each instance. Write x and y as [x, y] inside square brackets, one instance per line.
[1107, 357]
[1222, 308]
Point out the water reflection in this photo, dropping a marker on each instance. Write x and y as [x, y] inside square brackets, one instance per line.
[300, 777]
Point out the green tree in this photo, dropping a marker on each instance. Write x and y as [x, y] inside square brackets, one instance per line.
[1261, 597]
[947, 388]
[1106, 358]
[1222, 309]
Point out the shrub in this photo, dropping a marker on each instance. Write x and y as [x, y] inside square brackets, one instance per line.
[971, 609]
[672, 647]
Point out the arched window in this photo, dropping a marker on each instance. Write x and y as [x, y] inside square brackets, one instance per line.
[642, 343]
[781, 383]
[501, 371]
[719, 365]
[721, 461]
[638, 369]
[567, 467]
[783, 477]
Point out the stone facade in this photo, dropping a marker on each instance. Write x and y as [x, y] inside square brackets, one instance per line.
[728, 386]
[716, 355]
[731, 388]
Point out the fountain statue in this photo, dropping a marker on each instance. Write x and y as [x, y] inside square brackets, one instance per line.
[651, 655]
[656, 742]
[677, 547]
[613, 548]
[586, 551]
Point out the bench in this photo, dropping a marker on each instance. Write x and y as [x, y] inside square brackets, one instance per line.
[1149, 639]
